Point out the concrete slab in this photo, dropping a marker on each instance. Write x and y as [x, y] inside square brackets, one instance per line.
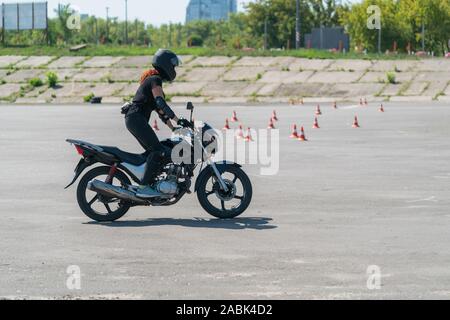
[203, 74]
[34, 62]
[31, 101]
[112, 100]
[250, 89]
[244, 73]
[268, 89]
[66, 90]
[283, 62]
[92, 74]
[101, 62]
[64, 75]
[24, 75]
[126, 74]
[184, 99]
[257, 61]
[335, 76]
[445, 98]
[416, 88]
[411, 99]
[286, 76]
[8, 89]
[223, 89]
[129, 89]
[3, 73]
[7, 61]
[392, 89]
[229, 100]
[66, 62]
[435, 88]
[186, 58]
[184, 88]
[134, 62]
[433, 76]
[437, 64]
[211, 61]
[392, 65]
[108, 89]
[349, 65]
[353, 90]
[301, 90]
[447, 90]
[299, 64]
[381, 77]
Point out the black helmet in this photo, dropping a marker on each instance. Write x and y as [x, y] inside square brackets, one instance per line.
[165, 62]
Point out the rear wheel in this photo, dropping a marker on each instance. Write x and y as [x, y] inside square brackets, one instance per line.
[225, 205]
[98, 207]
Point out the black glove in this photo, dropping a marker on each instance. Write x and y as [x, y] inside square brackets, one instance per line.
[176, 129]
[184, 123]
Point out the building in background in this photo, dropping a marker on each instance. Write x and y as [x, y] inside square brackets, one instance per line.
[210, 9]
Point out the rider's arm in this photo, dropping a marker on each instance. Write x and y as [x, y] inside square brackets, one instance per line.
[164, 111]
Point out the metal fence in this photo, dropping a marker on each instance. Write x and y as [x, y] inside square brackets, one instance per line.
[328, 38]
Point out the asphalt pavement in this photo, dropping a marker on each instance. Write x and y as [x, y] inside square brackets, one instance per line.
[346, 203]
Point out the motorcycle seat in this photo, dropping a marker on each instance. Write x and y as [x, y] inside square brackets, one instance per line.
[131, 158]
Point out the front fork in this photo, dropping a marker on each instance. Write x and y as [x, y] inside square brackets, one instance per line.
[222, 183]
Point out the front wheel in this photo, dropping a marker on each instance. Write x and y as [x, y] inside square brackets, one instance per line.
[225, 205]
[96, 206]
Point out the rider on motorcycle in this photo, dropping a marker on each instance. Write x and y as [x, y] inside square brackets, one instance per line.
[150, 97]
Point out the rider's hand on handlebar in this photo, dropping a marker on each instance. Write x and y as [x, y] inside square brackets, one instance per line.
[184, 123]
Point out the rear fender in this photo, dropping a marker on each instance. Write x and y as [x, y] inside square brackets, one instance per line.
[220, 166]
[82, 165]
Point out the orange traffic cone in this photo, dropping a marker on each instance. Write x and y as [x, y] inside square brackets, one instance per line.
[316, 124]
[248, 137]
[155, 126]
[294, 134]
[240, 133]
[301, 101]
[365, 102]
[271, 125]
[355, 123]
[302, 136]
[234, 117]
[227, 125]
[318, 111]
[381, 108]
[361, 102]
[274, 116]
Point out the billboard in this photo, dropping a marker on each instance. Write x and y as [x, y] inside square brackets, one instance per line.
[23, 16]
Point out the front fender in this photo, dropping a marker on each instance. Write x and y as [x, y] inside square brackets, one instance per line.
[220, 166]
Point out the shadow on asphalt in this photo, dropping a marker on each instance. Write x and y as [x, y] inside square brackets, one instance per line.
[234, 224]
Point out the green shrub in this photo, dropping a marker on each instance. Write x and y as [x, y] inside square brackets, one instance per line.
[35, 82]
[195, 41]
[89, 97]
[391, 77]
[52, 79]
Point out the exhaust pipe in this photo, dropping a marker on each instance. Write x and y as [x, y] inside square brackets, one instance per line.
[114, 191]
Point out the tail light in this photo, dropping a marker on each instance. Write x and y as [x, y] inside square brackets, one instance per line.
[80, 150]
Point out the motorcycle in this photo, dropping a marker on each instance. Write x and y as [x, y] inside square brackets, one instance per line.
[106, 193]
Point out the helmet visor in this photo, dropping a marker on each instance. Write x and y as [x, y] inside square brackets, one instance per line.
[176, 61]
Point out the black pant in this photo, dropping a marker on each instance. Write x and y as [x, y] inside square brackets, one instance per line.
[137, 124]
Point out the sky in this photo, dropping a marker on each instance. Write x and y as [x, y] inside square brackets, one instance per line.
[155, 12]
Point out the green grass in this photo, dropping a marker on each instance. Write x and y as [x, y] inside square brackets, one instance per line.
[105, 50]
